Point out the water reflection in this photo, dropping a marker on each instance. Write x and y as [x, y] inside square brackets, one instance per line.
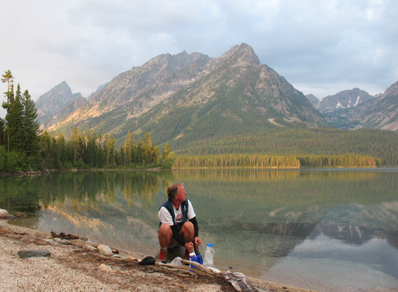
[257, 219]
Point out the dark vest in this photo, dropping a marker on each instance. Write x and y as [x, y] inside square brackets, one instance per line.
[169, 206]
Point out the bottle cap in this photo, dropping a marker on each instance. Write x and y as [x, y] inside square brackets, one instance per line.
[192, 254]
[210, 245]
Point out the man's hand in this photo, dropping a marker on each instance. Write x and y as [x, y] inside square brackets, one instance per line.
[197, 241]
[189, 247]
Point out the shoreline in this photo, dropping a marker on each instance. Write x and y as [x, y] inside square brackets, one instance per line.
[70, 269]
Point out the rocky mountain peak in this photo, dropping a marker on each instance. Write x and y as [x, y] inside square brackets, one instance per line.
[344, 99]
[242, 53]
[392, 90]
[54, 100]
[169, 63]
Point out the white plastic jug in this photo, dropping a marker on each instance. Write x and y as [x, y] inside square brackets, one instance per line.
[209, 255]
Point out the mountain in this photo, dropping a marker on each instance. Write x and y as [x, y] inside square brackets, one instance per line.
[65, 112]
[380, 112]
[344, 99]
[313, 99]
[54, 100]
[189, 97]
[102, 86]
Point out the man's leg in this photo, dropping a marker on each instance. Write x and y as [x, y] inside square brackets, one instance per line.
[165, 237]
[187, 231]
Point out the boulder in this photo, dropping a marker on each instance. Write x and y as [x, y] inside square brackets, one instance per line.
[104, 250]
[3, 213]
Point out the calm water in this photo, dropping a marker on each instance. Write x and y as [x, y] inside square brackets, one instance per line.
[328, 230]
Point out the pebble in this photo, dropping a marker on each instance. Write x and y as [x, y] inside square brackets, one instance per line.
[105, 268]
[33, 253]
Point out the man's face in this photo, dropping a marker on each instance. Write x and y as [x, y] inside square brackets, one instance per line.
[182, 195]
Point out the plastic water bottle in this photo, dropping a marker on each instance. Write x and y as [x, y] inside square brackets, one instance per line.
[209, 254]
[193, 258]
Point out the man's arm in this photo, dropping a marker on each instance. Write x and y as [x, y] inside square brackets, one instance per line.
[195, 225]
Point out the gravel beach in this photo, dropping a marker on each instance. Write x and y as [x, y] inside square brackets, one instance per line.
[73, 268]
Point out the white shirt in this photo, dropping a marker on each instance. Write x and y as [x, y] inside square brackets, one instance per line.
[165, 216]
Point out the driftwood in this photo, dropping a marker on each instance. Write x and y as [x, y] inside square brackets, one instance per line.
[62, 235]
[111, 258]
[239, 282]
[200, 269]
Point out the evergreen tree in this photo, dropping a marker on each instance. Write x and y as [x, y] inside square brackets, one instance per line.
[7, 77]
[16, 131]
[8, 106]
[30, 125]
[2, 124]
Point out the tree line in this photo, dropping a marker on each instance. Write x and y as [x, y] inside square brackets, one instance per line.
[23, 146]
[259, 161]
[92, 150]
[297, 142]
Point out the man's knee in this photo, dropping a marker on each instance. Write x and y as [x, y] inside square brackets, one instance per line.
[188, 227]
[165, 230]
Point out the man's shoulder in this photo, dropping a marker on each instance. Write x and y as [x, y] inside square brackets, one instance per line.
[166, 204]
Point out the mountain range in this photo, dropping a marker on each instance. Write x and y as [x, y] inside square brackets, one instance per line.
[191, 97]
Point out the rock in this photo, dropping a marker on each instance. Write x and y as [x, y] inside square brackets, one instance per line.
[105, 268]
[3, 213]
[33, 253]
[104, 250]
[147, 261]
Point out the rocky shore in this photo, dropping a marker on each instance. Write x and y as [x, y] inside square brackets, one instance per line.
[73, 266]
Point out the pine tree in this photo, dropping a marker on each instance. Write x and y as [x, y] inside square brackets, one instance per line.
[2, 124]
[7, 77]
[16, 131]
[30, 125]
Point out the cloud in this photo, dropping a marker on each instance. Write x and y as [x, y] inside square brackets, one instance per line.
[321, 47]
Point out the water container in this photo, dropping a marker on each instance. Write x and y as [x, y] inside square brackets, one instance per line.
[209, 255]
[193, 258]
[200, 260]
[198, 255]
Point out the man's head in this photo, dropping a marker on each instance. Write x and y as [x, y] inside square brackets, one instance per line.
[176, 191]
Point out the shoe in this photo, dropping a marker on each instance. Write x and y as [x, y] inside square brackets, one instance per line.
[162, 256]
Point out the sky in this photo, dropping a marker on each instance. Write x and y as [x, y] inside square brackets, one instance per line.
[320, 47]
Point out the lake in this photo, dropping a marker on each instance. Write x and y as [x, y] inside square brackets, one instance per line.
[321, 229]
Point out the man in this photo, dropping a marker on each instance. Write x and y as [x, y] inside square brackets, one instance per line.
[178, 224]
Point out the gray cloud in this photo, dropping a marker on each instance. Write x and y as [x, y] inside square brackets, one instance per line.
[321, 47]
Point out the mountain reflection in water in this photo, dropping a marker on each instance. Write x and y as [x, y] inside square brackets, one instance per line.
[258, 220]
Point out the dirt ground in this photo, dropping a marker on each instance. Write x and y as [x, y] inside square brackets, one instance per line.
[73, 267]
